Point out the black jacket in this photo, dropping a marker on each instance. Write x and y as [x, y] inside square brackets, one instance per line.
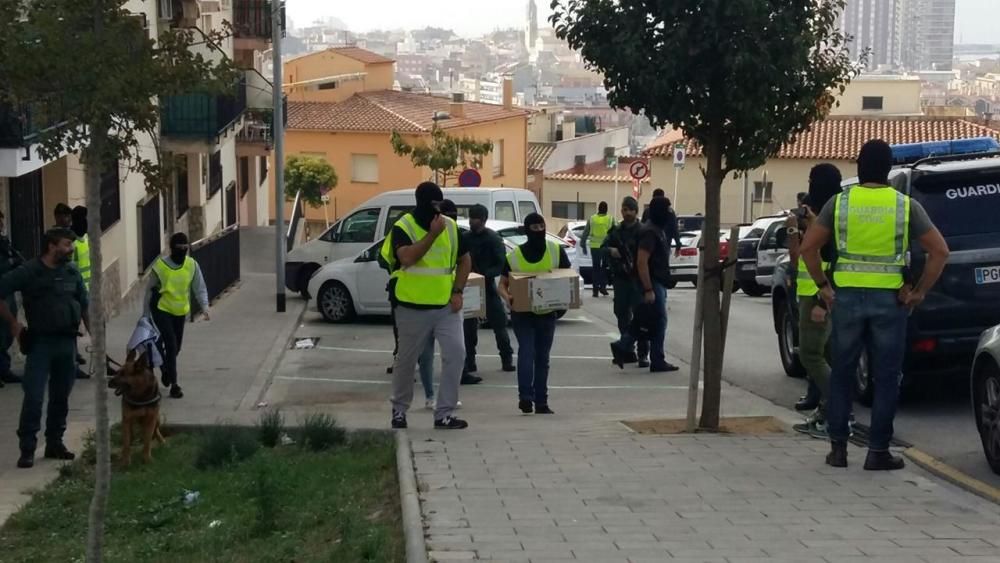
[487, 251]
[625, 239]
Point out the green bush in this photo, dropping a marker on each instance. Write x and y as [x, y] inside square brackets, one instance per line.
[222, 445]
[267, 498]
[270, 427]
[320, 432]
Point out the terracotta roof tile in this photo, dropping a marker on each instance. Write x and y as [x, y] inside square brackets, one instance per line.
[840, 138]
[538, 154]
[361, 55]
[597, 172]
[387, 110]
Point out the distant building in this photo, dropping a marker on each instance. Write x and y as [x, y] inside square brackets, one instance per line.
[926, 34]
[880, 95]
[872, 24]
[531, 26]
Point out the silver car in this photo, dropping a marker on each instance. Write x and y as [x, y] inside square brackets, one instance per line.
[986, 394]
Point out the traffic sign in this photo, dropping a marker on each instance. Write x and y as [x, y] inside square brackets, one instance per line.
[680, 155]
[325, 198]
[639, 170]
[470, 178]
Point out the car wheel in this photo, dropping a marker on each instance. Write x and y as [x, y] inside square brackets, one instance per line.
[335, 303]
[786, 343]
[753, 289]
[864, 390]
[986, 400]
[306, 274]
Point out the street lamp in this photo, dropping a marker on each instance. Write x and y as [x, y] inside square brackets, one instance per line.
[438, 116]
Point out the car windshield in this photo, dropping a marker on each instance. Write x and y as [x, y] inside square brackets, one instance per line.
[961, 203]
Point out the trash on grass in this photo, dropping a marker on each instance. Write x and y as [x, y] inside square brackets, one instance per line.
[286, 440]
[191, 497]
[215, 524]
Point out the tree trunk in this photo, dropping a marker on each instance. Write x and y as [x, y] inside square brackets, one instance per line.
[710, 312]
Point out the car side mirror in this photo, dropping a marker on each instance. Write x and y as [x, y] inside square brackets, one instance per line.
[782, 238]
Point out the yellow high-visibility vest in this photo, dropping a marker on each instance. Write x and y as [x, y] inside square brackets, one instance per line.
[429, 281]
[805, 286]
[871, 227]
[548, 262]
[81, 255]
[599, 227]
[175, 286]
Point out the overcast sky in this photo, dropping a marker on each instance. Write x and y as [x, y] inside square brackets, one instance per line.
[977, 19]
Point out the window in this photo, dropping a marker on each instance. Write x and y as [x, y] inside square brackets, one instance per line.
[263, 169]
[526, 208]
[359, 227]
[181, 186]
[498, 158]
[111, 205]
[504, 211]
[327, 86]
[166, 9]
[762, 193]
[872, 102]
[364, 168]
[244, 175]
[214, 173]
[574, 210]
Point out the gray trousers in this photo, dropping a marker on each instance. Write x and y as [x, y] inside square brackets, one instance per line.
[415, 327]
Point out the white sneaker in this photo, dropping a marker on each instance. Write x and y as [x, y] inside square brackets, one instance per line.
[429, 404]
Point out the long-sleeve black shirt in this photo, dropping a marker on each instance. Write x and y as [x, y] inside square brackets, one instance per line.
[487, 251]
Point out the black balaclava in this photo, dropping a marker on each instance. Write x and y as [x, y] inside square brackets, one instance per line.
[428, 195]
[79, 226]
[824, 183]
[875, 162]
[536, 240]
[178, 248]
[602, 208]
[659, 211]
[449, 209]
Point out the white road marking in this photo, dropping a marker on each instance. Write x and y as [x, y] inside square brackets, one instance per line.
[489, 386]
[369, 351]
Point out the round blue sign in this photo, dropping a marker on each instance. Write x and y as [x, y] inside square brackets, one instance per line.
[470, 178]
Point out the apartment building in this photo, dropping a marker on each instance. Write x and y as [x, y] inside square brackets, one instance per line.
[219, 143]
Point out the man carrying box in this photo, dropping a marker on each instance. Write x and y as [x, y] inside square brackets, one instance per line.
[534, 330]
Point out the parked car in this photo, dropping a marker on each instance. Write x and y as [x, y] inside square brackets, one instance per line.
[513, 234]
[373, 219]
[684, 266]
[352, 287]
[748, 250]
[583, 263]
[943, 333]
[986, 395]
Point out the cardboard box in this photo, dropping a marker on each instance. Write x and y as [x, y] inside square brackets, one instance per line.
[474, 297]
[555, 290]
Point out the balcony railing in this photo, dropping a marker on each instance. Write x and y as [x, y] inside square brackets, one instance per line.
[252, 19]
[259, 126]
[200, 115]
[17, 127]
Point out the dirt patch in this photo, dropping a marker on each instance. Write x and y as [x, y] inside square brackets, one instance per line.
[742, 425]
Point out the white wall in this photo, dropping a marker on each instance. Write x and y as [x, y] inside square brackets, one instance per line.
[590, 145]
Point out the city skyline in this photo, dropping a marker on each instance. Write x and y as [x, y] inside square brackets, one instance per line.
[974, 22]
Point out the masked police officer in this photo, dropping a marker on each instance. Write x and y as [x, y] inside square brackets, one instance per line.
[55, 301]
[871, 225]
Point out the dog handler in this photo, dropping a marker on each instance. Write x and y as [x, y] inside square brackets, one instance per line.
[55, 301]
[168, 294]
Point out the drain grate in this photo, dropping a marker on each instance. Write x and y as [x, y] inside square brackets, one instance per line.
[862, 433]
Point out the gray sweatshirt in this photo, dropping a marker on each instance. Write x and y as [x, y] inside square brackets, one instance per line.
[197, 287]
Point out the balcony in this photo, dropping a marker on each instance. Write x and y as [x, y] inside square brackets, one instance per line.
[201, 118]
[17, 128]
[257, 136]
[252, 24]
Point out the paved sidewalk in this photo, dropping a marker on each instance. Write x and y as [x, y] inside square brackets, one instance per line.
[601, 494]
[224, 366]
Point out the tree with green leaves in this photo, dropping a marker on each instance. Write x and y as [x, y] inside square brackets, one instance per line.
[445, 155]
[91, 76]
[311, 177]
[741, 78]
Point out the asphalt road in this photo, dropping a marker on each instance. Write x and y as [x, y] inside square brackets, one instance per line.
[936, 418]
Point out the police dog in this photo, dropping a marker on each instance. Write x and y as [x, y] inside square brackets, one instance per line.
[140, 393]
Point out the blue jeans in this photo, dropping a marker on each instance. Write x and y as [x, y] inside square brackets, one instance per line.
[868, 321]
[599, 260]
[51, 363]
[535, 334]
[425, 364]
[658, 336]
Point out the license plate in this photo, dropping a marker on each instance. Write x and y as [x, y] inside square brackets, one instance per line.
[988, 275]
[746, 267]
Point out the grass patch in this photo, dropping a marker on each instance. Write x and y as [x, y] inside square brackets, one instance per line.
[224, 445]
[276, 505]
[320, 432]
[270, 427]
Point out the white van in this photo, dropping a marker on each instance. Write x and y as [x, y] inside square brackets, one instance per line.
[372, 221]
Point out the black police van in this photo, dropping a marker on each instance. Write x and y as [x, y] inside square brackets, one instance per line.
[958, 182]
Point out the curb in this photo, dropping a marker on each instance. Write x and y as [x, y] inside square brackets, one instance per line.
[413, 524]
[952, 475]
[262, 381]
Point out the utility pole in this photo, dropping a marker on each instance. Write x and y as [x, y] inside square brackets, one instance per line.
[279, 157]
